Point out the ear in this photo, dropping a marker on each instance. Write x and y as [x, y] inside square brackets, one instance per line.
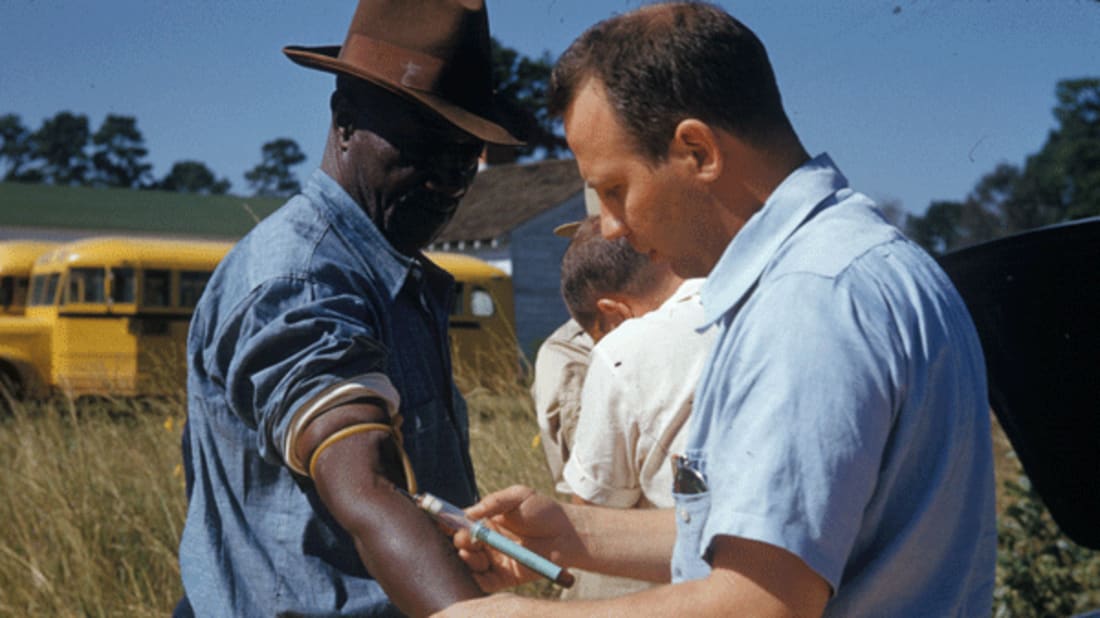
[343, 118]
[696, 143]
[612, 312]
[344, 123]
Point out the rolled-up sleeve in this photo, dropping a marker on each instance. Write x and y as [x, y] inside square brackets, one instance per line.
[286, 342]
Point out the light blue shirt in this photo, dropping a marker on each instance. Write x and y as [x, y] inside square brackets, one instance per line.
[843, 414]
[313, 296]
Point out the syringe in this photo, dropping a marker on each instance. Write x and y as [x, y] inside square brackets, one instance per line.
[453, 517]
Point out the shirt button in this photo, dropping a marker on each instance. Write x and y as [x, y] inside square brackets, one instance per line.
[685, 516]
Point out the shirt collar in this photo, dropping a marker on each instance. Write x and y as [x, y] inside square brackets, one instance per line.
[350, 223]
[688, 289]
[793, 202]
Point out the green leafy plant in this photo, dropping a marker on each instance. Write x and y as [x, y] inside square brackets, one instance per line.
[1039, 571]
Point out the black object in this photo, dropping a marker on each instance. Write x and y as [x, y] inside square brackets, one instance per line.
[1035, 299]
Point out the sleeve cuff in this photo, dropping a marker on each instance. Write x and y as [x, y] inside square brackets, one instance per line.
[366, 385]
[590, 490]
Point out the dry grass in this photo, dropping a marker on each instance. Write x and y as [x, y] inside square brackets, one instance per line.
[92, 510]
[93, 501]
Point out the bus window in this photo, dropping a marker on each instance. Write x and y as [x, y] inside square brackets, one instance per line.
[157, 286]
[122, 285]
[481, 303]
[21, 287]
[38, 289]
[49, 289]
[191, 287]
[45, 288]
[7, 291]
[86, 285]
[456, 306]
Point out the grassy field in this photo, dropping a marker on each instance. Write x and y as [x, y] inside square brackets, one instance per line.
[93, 499]
[93, 507]
[48, 206]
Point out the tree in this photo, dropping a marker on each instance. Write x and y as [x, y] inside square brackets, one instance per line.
[522, 85]
[16, 149]
[1059, 182]
[60, 143]
[118, 154]
[1073, 150]
[272, 176]
[193, 177]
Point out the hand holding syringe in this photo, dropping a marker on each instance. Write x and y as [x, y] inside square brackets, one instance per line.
[453, 517]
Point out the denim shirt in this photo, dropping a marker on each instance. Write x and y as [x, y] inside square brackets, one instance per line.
[843, 413]
[313, 296]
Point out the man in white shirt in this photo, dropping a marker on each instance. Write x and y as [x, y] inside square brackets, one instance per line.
[641, 377]
[642, 371]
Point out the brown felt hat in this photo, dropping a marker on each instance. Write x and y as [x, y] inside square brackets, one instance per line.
[435, 52]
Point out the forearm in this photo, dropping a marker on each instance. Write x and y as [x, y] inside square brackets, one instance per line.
[625, 542]
[399, 545]
[748, 578]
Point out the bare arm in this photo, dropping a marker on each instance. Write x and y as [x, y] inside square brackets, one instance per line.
[593, 538]
[398, 544]
[748, 578]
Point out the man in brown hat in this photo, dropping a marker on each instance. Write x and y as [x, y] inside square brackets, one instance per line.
[319, 377]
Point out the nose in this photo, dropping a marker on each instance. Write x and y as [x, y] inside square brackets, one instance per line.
[451, 177]
[611, 227]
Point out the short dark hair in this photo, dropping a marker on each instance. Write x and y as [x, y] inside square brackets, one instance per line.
[664, 63]
[594, 267]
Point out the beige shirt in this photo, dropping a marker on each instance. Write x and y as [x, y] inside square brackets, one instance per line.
[560, 367]
[636, 399]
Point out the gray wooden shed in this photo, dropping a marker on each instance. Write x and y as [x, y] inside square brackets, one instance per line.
[507, 219]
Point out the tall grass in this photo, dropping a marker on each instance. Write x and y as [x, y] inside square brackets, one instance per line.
[92, 501]
[92, 506]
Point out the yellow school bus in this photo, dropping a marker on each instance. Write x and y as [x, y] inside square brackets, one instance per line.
[482, 321]
[16, 259]
[108, 315]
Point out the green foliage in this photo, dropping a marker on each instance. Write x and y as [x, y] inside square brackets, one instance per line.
[522, 85]
[1058, 183]
[59, 143]
[272, 176]
[119, 150]
[193, 177]
[1039, 571]
[16, 148]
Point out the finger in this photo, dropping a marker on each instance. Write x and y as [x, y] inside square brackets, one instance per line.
[476, 561]
[462, 539]
[499, 502]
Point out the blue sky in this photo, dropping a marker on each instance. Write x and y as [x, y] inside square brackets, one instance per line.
[914, 99]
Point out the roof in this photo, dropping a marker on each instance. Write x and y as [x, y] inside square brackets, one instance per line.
[504, 197]
[17, 256]
[465, 267]
[136, 250]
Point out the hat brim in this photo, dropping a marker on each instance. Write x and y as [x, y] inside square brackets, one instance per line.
[567, 230]
[326, 59]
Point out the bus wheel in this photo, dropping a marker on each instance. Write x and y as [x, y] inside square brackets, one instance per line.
[11, 390]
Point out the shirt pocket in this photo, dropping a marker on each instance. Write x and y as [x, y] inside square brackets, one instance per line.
[691, 512]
